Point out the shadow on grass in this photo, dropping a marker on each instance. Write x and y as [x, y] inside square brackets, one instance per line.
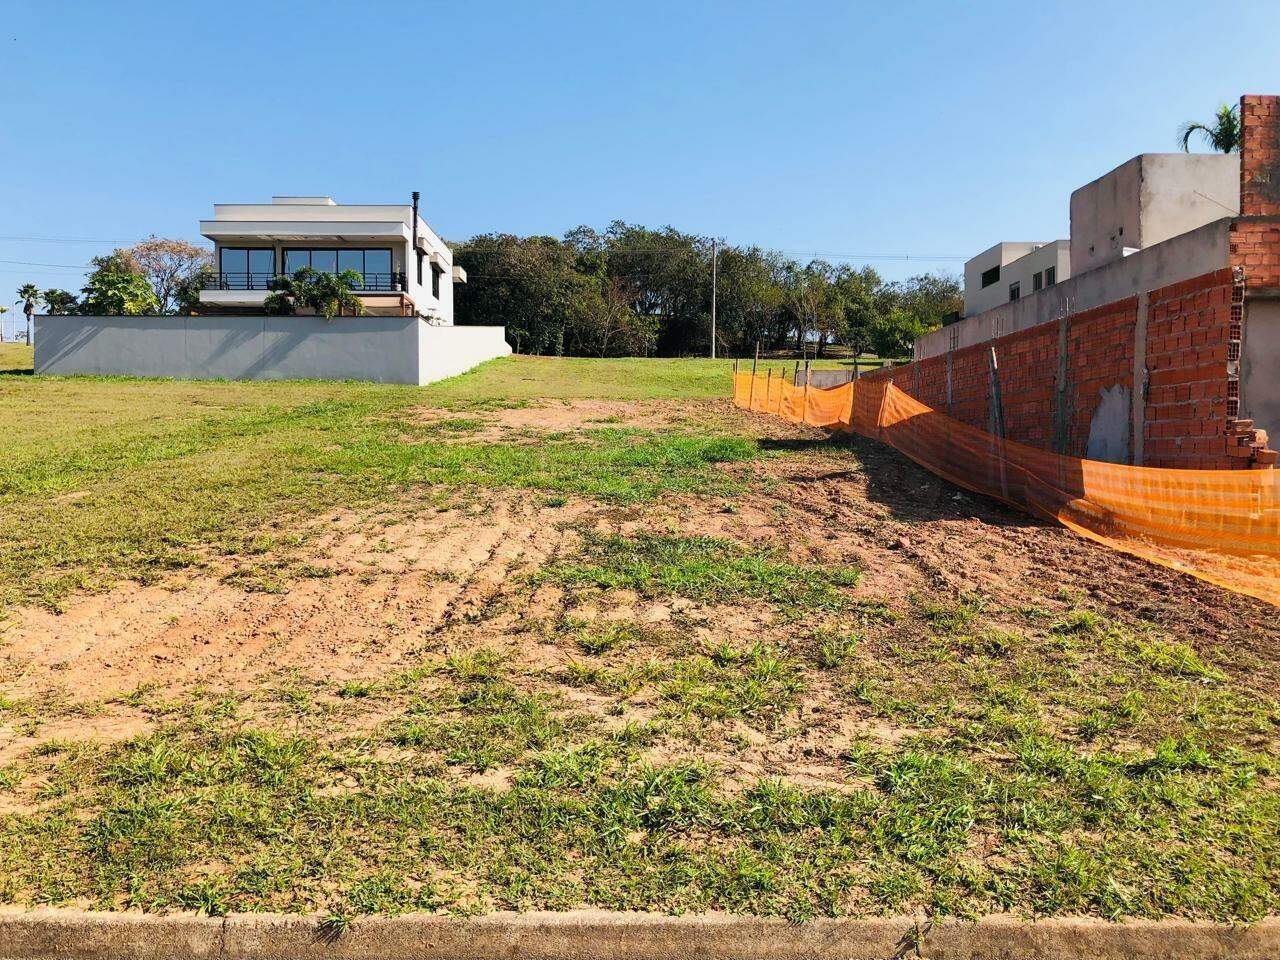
[911, 492]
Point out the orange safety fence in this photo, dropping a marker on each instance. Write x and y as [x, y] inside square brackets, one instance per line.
[1220, 525]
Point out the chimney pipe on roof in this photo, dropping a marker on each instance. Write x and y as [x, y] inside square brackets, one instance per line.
[416, 251]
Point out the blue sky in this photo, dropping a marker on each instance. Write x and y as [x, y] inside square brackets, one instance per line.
[876, 129]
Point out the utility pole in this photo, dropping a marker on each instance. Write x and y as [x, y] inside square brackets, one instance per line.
[713, 298]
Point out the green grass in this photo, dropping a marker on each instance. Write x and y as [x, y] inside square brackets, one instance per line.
[15, 358]
[704, 569]
[108, 478]
[514, 379]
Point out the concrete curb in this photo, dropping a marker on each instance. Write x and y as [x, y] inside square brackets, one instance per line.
[600, 935]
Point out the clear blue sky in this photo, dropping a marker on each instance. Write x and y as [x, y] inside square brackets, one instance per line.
[930, 128]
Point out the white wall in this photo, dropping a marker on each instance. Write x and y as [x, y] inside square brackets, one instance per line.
[448, 351]
[977, 297]
[381, 349]
[1148, 200]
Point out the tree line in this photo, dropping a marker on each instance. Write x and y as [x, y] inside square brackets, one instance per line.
[625, 291]
[635, 291]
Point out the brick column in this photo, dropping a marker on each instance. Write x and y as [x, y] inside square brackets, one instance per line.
[1259, 155]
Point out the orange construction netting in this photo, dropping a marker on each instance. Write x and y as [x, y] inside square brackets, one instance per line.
[1220, 525]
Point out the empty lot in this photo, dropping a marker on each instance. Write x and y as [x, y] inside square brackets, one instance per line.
[567, 632]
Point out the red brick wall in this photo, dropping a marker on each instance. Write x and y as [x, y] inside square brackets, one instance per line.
[1259, 156]
[1187, 348]
[1255, 248]
[1099, 356]
[970, 386]
[1188, 333]
[1028, 368]
[933, 382]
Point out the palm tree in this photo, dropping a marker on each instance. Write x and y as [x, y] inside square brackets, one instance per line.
[1223, 135]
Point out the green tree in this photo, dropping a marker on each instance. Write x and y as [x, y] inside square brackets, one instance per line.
[666, 276]
[1223, 134]
[186, 297]
[60, 302]
[107, 293]
[328, 294]
[817, 311]
[531, 285]
[892, 334]
[750, 295]
[856, 291]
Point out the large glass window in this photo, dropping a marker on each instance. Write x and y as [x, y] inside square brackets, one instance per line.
[246, 268]
[377, 262]
[295, 260]
[373, 265]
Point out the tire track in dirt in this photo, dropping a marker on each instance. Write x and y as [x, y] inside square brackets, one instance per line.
[388, 593]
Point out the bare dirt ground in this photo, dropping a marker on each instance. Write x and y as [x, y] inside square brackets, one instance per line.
[371, 591]
[533, 423]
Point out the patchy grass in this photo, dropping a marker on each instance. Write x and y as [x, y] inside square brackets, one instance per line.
[475, 785]
[649, 720]
[103, 478]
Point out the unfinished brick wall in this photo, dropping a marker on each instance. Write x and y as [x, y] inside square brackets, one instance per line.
[1056, 377]
[1052, 402]
[1100, 345]
[1028, 368]
[1259, 156]
[1188, 387]
[1255, 237]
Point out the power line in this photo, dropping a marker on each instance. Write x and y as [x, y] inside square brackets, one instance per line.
[649, 249]
[74, 239]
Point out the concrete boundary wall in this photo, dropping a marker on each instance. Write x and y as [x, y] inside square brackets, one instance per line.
[379, 349]
[601, 935]
[448, 351]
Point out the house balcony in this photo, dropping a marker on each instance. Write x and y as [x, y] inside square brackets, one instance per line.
[269, 282]
[381, 293]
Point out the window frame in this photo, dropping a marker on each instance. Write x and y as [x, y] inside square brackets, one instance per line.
[1050, 276]
[248, 273]
[390, 273]
[990, 277]
[1015, 291]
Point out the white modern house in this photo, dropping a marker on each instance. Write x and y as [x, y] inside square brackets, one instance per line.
[404, 333]
[1009, 271]
[406, 269]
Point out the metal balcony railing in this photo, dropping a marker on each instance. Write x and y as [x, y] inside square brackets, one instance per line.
[373, 282]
